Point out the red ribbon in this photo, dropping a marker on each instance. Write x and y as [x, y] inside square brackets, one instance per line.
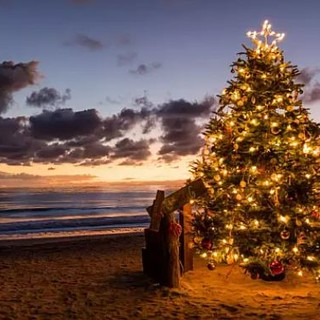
[175, 229]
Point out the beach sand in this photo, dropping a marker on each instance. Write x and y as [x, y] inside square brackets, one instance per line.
[101, 278]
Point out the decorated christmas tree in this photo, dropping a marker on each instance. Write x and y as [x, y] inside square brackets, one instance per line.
[260, 164]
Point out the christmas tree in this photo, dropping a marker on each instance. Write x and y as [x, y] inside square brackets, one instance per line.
[260, 164]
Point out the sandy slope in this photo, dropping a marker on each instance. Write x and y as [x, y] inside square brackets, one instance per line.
[101, 278]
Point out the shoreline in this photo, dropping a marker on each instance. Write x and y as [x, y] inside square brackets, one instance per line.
[57, 237]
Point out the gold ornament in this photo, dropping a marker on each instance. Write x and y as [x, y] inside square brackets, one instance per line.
[275, 130]
[285, 234]
[238, 197]
[290, 108]
[240, 103]
[217, 178]
[298, 223]
[273, 161]
[243, 184]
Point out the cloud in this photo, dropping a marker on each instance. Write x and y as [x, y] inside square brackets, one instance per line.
[180, 131]
[124, 40]
[132, 150]
[117, 125]
[144, 69]
[14, 77]
[47, 97]
[126, 58]
[86, 42]
[16, 144]
[312, 94]
[82, 137]
[307, 75]
[64, 124]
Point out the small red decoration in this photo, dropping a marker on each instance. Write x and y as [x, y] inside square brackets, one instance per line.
[315, 214]
[276, 268]
[175, 229]
[206, 244]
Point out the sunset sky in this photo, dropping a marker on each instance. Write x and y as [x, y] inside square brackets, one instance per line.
[120, 89]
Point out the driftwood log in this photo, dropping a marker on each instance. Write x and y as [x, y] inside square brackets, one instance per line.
[167, 254]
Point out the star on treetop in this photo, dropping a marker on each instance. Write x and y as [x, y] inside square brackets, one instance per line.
[265, 34]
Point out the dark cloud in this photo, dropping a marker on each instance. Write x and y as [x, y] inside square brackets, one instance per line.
[144, 69]
[82, 137]
[47, 97]
[117, 125]
[180, 129]
[307, 75]
[86, 42]
[17, 147]
[132, 150]
[14, 77]
[312, 94]
[126, 58]
[64, 124]
[124, 40]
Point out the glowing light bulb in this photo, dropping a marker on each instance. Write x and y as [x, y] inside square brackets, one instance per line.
[295, 249]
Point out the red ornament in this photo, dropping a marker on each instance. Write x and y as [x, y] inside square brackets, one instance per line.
[276, 268]
[315, 214]
[206, 244]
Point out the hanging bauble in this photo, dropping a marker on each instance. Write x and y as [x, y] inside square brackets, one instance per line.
[217, 178]
[240, 103]
[211, 266]
[315, 214]
[290, 108]
[298, 223]
[275, 130]
[238, 197]
[243, 184]
[197, 239]
[206, 244]
[302, 238]
[285, 234]
[273, 161]
[276, 268]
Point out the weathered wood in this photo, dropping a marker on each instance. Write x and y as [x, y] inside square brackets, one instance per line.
[162, 255]
[171, 254]
[155, 211]
[186, 253]
[179, 198]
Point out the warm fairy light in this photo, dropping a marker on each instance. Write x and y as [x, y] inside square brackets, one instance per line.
[252, 149]
[300, 273]
[295, 249]
[283, 219]
[203, 255]
[265, 34]
[256, 222]
[311, 258]
[191, 201]
[253, 169]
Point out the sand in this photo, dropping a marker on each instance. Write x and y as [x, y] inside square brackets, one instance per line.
[101, 278]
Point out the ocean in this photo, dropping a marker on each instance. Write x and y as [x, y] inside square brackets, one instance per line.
[64, 212]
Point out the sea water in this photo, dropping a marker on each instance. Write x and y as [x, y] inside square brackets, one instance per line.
[42, 212]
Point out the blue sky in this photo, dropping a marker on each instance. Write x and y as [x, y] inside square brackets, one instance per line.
[108, 53]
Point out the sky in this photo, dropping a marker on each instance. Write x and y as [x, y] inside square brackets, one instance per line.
[119, 90]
